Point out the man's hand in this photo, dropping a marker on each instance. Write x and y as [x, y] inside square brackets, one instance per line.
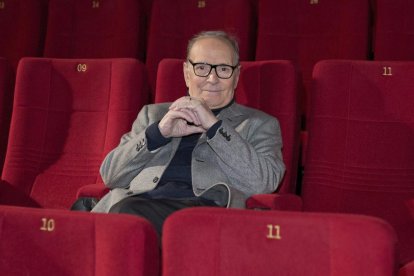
[186, 116]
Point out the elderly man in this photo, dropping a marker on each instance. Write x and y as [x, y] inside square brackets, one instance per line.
[204, 149]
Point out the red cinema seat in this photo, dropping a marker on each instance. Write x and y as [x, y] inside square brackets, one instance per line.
[23, 29]
[6, 103]
[308, 31]
[96, 29]
[270, 86]
[40, 242]
[173, 23]
[394, 30]
[67, 115]
[359, 155]
[247, 242]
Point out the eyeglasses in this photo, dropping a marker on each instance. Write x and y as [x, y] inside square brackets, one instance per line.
[223, 71]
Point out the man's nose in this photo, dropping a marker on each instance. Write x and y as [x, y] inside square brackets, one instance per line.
[212, 77]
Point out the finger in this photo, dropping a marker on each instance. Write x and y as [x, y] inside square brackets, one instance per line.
[195, 129]
[182, 114]
[181, 102]
[194, 118]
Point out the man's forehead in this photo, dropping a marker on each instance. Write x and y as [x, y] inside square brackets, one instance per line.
[208, 45]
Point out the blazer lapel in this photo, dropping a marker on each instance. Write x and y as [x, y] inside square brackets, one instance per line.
[232, 115]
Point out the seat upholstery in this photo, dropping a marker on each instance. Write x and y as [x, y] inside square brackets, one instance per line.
[173, 23]
[394, 30]
[67, 115]
[6, 103]
[308, 31]
[23, 29]
[96, 29]
[59, 242]
[270, 86]
[249, 242]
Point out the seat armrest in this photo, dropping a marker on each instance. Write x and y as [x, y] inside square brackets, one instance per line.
[407, 269]
[283, 202]
[92, 190]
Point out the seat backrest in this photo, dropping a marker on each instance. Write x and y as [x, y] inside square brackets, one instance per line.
[170, 80]
[359, 157]
[308, 31]
[23, 31]
[270, 86]
[173, 23]
[96, 29]
[394, 30]
[250, 242]
[6, 103]
[67, 115]
[59, 242]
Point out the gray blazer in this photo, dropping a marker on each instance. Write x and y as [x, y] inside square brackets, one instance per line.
[243, 158]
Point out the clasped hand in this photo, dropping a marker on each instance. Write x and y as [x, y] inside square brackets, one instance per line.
[186, 116]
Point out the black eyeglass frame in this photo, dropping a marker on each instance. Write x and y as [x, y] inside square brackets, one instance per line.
[213, 67]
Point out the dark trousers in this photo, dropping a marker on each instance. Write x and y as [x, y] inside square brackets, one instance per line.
[156, 210]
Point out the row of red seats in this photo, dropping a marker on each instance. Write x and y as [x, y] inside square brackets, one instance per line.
[150, 30]
[197, 241]
[69, 113]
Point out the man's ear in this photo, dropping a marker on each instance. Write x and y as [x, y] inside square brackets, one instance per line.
[186, 73]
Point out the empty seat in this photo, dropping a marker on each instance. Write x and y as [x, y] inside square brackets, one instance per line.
[173, 23]
[96, 29]
[67, 115]
[6, 103]
[359, 157]
[308, 31]
[394, 30]
[60, 242]
[23, 28]
[248, 242]
[360, 141]
[270, 86]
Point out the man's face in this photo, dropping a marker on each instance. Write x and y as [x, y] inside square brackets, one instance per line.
[215, 91]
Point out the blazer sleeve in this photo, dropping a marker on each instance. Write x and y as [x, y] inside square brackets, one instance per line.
[128, 159]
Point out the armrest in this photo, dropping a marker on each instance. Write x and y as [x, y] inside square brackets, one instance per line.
[284, 202]
[407, 269]
[92, 190]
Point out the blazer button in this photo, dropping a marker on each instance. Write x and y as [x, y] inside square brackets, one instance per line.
[155, 180]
